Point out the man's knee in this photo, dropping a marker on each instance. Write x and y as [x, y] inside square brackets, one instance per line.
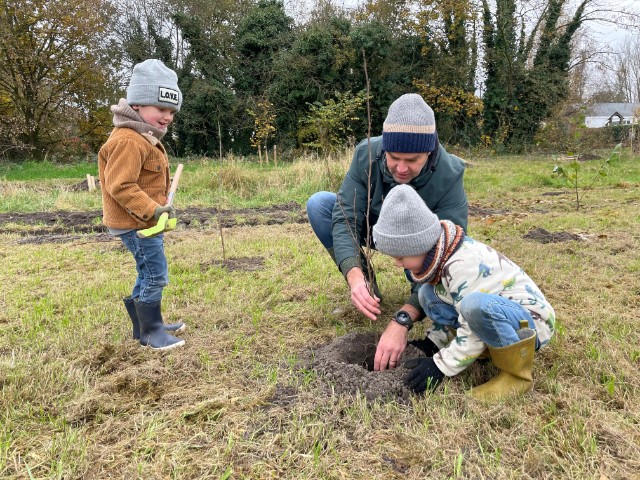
[320, 212]
[321, 203]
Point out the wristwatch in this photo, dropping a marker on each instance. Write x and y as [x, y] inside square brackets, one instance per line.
[404, 319]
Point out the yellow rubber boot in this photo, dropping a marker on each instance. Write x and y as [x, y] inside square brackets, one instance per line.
[515, 363]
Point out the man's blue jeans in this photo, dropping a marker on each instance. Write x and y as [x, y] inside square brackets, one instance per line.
[151, 265]
[320, 210]
[493, 318]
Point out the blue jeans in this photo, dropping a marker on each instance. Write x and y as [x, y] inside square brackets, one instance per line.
[493, 318]
[320, 212]
[151, 265]
[438, 311]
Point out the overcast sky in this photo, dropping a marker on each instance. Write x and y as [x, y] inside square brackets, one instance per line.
[613, 33]
[605, 31]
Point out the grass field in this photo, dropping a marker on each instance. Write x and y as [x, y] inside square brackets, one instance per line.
[79, 399]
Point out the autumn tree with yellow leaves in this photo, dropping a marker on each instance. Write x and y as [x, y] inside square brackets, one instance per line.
[263, 122]
[53, 73]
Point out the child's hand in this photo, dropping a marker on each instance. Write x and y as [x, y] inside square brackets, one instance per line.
[424, 374]
[165, 209]
[426, 345]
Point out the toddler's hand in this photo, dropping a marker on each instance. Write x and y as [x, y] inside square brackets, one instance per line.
[165, 209]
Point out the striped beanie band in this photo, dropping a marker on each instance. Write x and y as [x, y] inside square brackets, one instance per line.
[410, 126]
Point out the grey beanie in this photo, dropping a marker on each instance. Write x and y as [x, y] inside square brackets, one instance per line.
[406, 226]
[410, 126]
[152, 83]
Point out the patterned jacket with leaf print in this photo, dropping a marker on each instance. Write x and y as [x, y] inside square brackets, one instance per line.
[476, 267]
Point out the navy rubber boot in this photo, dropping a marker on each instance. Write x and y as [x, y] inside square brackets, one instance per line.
[133, 315]
[152, 332]
[131, 310]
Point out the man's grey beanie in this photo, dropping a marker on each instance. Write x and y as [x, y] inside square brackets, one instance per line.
[406, 226]
[410, 126]
[152, 83]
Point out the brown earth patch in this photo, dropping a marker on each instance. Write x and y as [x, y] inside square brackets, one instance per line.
[477, 211]
[543, 236]
[244, 264]
[62, 226]
[346, 365]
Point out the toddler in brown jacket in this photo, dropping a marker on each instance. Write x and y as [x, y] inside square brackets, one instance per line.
[134, 176]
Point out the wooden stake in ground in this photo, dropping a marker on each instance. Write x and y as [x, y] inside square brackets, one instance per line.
[275, 157]
[91, 182]
[260, 154]
[219, 215]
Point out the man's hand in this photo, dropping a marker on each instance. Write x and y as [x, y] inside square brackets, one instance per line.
[164, 209]
[368, 305]
[391, 345]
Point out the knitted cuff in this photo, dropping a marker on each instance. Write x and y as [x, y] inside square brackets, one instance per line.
[347, 264]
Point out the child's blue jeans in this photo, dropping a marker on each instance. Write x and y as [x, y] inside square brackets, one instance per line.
[493, 318]
[151, 265]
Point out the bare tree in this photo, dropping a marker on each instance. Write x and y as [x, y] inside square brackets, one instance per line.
[628, 69]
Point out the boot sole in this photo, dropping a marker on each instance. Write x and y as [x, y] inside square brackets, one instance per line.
[164, 349]
[181, 329]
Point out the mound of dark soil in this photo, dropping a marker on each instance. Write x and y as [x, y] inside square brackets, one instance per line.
[543, 236]
[243, 264]
[346, 364]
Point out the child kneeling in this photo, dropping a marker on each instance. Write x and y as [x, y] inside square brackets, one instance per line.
[479, 295]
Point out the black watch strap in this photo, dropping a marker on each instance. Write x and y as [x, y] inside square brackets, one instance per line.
[403, 318]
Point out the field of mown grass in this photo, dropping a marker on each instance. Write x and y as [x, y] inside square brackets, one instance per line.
[79, 399]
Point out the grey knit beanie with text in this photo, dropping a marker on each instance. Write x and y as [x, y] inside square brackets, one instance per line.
[410, 126]
[152, 83]
[406, 226]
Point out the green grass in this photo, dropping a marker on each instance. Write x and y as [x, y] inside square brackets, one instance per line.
[46, 170]
[79, 399]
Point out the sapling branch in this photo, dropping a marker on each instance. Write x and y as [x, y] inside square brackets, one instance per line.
[571, 174]
[368, 251]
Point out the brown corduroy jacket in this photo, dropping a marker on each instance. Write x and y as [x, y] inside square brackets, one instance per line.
[134, 178]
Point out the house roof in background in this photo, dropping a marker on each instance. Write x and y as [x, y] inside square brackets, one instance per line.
[608, 109]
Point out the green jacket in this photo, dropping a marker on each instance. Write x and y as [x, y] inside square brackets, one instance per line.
[440, 184]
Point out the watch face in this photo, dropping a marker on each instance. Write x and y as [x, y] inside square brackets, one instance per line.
[404, 319]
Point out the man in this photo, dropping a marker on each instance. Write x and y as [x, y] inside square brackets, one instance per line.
[408, 152]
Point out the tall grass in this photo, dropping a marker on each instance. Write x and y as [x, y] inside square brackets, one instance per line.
[206, 183]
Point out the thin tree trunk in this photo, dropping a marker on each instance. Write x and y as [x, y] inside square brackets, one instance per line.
[220, 140]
